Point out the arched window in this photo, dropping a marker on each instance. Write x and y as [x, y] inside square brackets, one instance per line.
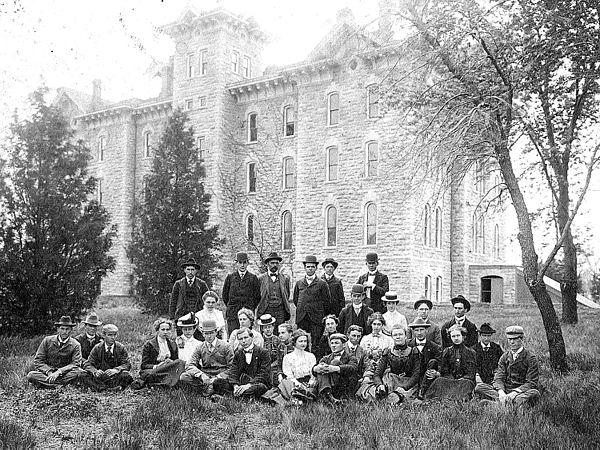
[332, 163]
[331, 226]
[438, 289]
[101, 147]
[147, 143]
[427, 225]
[286, 227]
[496, 241]
[478, 233]
[333, 108]
[289, 173]
[438, 227]
[373, 101]
[480, 177]
[250, 230]
[253, 127]
[289, 121]
[427, 292]
[371, 224]
[372, 158]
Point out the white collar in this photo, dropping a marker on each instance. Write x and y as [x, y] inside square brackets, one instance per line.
[249, 349]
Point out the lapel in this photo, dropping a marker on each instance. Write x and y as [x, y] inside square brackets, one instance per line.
[154, 342]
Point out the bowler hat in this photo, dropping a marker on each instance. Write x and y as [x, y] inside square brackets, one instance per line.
[266, 319]
[423, 301]
[191, 262]
[310, 259]
[92, 319]
[372, 257]
[464, 301]
[272, 256]
[486, 328]
[390, 297]
[189, 320]
[419, 323]
[330, 260]
[514, 331]
[341, 336]
[241, 257]
[358, 289]
[209, 325]
[65, 321]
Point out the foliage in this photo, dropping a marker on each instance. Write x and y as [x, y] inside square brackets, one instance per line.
[595, 286]
[171, 222]
[55, 239]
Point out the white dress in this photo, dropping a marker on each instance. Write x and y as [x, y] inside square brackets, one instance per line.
[394, 318]
[189, 347]
[377, 344]
[298, 364]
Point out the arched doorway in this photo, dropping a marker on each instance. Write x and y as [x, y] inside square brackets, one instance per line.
[492, 289]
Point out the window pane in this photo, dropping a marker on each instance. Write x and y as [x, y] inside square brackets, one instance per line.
[372, 155]
[252, 177]
[250, 230]
[426, 226]
[289, 173]
[373, 94]
[332, 169]
[438, 227]
[287, 230]
[334, 109]
[331, 227]
[253, 127]
[371, 221]
[289, 120]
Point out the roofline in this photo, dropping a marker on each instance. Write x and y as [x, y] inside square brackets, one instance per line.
[122, 108]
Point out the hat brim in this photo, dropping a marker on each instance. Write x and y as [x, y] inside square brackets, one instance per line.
[486, 331]
[181, 324]
[195, 266]
[271, 322]
[464, 301]
[95, 324]
[419, 325]
[60, 324]
[333, 263]
[429, 303]
[278, 258]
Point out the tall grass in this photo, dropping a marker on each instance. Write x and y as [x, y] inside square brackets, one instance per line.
[15, 435]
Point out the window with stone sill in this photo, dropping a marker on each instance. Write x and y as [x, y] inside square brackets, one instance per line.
[203, 62]
[235, 61]
[286, 229]
[370, 224]
[478, 231]
[289, 173]
[200, 146]
[438, 289]
[246, 67]
[289, 124]
[427, 290]
[253, 127]
[147, 144]
[438, 227]
[101, 148]
[372, 161]
[331, 226]
[190, 65]
[251, 178]
[496, 241]
[332, 163]
[333, 108]
[427, 225]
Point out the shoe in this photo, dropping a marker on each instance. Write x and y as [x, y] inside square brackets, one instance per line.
[209, 391]
[392, 399]
[380, 394]
[330, 398]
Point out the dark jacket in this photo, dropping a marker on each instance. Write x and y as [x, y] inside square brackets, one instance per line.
[348, 317]
[470, 339]
[487, 362]
[458, 362]
[382, 285]
[259, 369]
[433, 333]
[336, 290]
[429, 358]
[312, 301]
[99, 358]
[361, 356]
[179, 305]
[403, 364]
[523, 373]
[240, 293]
[86, 345]
[151, 350]
[346, 382]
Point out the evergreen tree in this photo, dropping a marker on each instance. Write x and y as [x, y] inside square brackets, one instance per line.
[54, 239]
[171, 221]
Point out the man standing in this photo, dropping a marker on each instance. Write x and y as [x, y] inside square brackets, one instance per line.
[109, 362]
[461, 307]
[241, 289]
[376, 284]
[336, 290]
[423, 305]
[187, 292]
[426, 351]
[487, 355]
[356, 313]
[274, 292]
[90, 337]
[312, 300]
[250, 374]
[517, 379]
[58, 358]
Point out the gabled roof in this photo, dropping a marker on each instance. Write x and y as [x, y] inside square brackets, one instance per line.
[83, 102]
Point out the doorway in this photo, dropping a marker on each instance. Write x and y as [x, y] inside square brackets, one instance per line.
[492, 289]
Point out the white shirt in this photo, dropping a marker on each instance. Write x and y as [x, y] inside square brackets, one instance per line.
[248, 353]
[460, 321]
[370, 279]
[298, 364]
[109, 348]
[309, 280]
[216, 315]
[515, 355]
[381, 342]
[242, 274]
[394, 318]
[420, 344]
[163, 349]
[189, 347]
[357, 308]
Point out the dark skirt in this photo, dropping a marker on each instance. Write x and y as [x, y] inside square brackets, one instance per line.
[164, 375]
[461, 389]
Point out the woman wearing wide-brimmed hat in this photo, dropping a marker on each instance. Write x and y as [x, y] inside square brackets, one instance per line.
[187, 343]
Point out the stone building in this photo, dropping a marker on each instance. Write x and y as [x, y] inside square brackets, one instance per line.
[301, 159]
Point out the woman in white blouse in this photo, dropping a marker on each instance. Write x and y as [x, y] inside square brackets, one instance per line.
[209, 312]
[376, 342]
[297, 369]
[246, 320]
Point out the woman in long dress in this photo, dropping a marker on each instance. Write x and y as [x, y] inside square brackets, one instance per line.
[297, 369]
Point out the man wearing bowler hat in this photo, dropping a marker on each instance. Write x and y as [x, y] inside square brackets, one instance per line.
[517, 379]
[58, 358]
[338, 301]
[274, 292]
[487, 355]
[90, 336]
[312, 300]
[186, 296]
[241, 289]
[376, 284]
[356, 313]
[461, 307]
[422, 306]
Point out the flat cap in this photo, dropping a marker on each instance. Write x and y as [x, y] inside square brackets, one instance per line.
[341, 336]
[514, 331]
[110, 328]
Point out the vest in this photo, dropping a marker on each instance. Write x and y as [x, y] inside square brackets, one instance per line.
[275, 299]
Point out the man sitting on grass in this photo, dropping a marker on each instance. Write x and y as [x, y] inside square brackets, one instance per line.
[517, 378]
[488, 354]
[336, 373]
[58, 358]
[250, 374]
[90, 336]
[109, 362]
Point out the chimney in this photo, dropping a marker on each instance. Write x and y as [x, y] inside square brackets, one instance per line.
[96, 94]
[166, 80]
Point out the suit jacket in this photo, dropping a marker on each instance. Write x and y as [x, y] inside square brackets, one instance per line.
[470, 339]
[348, 317]
[382, 285]
[151, 350]
[313, 301]
[487, 362]
[403, 364]
[86, 346]
[433, 333]
[361, 356]
[521, 374]
[465, 368]
[336, 290]
[284, 289]
[259, 369]
[240, 293]
[210, 363]
[179, 305]
[346, 381]
[99, 358]
[429, 358]
[51, 355]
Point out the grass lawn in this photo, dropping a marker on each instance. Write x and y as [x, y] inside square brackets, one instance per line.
[568, 415]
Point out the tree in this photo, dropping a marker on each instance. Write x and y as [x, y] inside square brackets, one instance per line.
[55, 239]
[171, 221]
[505, 75]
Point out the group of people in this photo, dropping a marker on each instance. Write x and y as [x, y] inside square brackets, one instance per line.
[363, 349]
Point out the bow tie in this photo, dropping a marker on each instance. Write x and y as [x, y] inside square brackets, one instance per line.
[248, 352]
[421, 343]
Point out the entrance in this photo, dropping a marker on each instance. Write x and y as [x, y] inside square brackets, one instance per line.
[492, 289]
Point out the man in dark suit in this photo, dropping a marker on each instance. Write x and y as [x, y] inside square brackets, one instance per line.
[338, 300]
[461, 307]
[186, 296]
[274, 292]
[426, 351]
[487, 355]
[356, 313]
[90, 337]
[312, 300]
[422, 306]
[336, 373]
[353, 347]
[241, 289]
[109, 362]
[376, 284]
[250, 374]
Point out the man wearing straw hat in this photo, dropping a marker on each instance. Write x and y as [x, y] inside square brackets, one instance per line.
[58, 358]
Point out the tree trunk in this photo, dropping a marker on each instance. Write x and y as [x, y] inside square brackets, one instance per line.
[568, 282]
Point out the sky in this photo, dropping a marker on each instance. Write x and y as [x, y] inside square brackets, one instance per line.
[72, 42]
